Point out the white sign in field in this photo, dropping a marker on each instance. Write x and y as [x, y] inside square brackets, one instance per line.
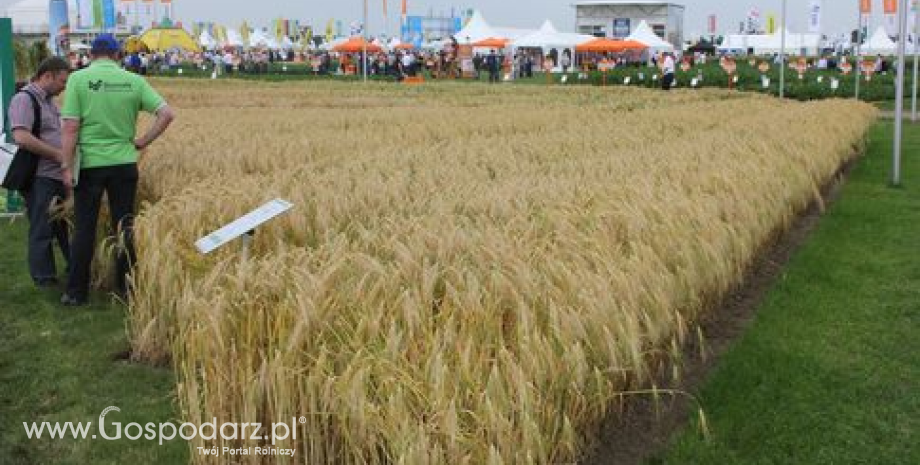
[243, 225]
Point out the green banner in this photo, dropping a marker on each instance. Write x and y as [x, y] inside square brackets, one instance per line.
[7, 73]
[98, 14]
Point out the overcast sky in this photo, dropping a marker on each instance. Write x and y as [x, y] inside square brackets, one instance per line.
[839, 15]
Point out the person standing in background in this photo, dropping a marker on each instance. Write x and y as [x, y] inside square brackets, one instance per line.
[668, 67]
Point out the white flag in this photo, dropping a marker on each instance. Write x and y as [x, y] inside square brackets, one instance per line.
[85, 14]
[814, 17]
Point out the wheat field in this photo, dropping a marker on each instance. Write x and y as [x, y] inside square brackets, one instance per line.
[470, 274]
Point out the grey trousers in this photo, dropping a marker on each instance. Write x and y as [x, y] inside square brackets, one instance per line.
[43, 231]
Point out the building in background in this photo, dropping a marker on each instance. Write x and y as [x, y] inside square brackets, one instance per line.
[618, 18]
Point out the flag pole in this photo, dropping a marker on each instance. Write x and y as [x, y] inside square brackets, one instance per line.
[899, 96]
[913, 100]
[364, 35]
[782, 60]
[857, 60]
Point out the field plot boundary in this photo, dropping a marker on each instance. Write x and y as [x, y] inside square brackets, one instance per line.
[645, 427]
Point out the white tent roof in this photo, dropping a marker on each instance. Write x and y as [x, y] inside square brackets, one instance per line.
[476, 29]
[260, 39]
[879, 44]
[767, 44]
[234, 38]
[794, 43]
[647, 36]
[206, 40]
[548, 37]
[29, 15]
[512, 33]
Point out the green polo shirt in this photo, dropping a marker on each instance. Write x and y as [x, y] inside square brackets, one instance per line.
[106, 100]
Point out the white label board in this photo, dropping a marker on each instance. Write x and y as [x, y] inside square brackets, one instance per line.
[243, 225]
[6, 156]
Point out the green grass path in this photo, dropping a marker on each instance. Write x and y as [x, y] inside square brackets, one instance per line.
[56, 365]
[830, 371]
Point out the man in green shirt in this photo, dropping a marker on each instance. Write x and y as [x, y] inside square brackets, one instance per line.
[100, 112]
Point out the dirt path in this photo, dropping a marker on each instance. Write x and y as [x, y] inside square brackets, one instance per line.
[636, 435]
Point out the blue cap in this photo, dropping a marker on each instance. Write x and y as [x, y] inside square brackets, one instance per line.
[105, 43]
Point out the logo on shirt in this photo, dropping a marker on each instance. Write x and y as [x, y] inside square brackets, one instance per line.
[109, 87]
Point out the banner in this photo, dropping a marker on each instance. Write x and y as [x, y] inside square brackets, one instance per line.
[754, 22]
[771, 24]
[622, 27]
[108, 14]
[98, 14]
[58, 27]
[814, 17]
[166, 10]
[865, 6]
[244, 33]
[891, 7]
[306, 37]
[330, 31]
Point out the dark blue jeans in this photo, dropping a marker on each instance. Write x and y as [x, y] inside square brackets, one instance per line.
[119, 183]
[43, 231]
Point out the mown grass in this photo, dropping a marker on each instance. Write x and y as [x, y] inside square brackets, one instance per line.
[57, 365]
[830, 371]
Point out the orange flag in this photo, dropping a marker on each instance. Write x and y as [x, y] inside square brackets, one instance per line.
[865, 6]
[891, 7]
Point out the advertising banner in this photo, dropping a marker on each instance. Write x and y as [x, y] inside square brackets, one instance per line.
[814, 17]
[58, 27]
[621, 28]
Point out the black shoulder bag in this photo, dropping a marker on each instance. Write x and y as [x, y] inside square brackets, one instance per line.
[22, 170]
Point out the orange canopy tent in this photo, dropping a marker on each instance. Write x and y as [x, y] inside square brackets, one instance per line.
[405, 46]
[492, 42]
[602, 45]
[356, 45]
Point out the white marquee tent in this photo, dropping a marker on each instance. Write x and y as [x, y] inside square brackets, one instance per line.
[796, 44]
[547, 38]
[234, 38]
[763, 44]
[879, 44]
[644, 34]
[259, 39]
[206, 40]
[476, 29]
